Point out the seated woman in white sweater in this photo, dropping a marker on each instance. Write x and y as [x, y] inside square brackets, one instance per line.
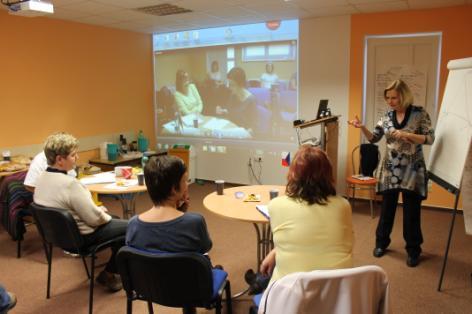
[54, 188]
[187, 98]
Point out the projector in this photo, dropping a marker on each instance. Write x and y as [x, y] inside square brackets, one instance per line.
[31, 8]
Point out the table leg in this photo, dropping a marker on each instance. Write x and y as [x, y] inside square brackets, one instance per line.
[128, 203]
[264, 242]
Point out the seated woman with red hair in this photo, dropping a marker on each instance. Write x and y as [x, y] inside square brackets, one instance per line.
[311, 225]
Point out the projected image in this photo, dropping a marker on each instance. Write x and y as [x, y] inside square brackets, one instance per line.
[237, 82]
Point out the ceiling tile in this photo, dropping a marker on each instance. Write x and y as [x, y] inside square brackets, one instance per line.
[425, 4]
[334, 10]
[131, 4]
[374, 2]
[61, 3]
[308, 4]
[382, 6]
[90, 7]
[64, 13]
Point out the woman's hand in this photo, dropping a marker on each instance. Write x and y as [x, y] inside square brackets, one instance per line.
[356, 122]
[268, 264]
[184, 203]
[401, 135]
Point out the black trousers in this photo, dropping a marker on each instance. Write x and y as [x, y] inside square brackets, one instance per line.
[108, 231]
[411, 220]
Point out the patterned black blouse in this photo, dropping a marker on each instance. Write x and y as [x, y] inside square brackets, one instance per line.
[403, 165]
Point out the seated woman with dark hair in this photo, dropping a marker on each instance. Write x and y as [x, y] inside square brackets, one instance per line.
[311, 225]
[167, 226]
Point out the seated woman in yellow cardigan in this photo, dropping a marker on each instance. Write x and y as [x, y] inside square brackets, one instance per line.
[311, 225]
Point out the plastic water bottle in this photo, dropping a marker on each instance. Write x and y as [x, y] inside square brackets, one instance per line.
[144, 161]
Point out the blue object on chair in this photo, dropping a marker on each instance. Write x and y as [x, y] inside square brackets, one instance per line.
[257, 300]
[184, 280]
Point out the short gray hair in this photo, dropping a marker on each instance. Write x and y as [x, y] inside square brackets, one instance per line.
[59, 144]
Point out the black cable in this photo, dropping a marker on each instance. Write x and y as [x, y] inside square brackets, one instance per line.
[258, 180]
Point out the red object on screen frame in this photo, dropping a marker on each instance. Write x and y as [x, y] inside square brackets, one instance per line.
[273, 25]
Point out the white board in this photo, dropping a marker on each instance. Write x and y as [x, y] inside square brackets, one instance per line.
[454, 126]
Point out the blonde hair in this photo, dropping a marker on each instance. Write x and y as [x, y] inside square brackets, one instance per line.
[404, 92]
[59, 144]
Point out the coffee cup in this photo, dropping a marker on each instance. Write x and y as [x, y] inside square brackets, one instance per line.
[220, 185]
[140, 178]
[6, 155]
[273, 193]
[123, 171]
[112, 150]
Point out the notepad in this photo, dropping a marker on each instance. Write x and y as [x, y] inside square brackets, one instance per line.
[264, 210]
[361, 177]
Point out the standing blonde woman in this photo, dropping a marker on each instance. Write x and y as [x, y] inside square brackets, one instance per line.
[403, 170]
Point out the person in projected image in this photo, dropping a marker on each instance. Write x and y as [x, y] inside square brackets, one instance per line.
[269, 77]
[241, 107]
[215, 74]
[187, 98]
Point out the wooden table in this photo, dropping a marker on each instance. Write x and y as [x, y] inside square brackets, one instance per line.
[126, 196]
[228, 206]
[107, 165]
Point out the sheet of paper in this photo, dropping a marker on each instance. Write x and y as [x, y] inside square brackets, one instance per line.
[264, 210]
[467, 194]
[216, 124]
[103, 177]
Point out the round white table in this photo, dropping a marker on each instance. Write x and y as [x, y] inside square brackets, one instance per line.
[229, 206]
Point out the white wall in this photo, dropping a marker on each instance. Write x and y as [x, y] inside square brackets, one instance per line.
[324, 73]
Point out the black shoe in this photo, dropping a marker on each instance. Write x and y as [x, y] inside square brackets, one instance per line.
[413, 260]
[250, 277]
[110, 281]
[379, 252]
[12, 302]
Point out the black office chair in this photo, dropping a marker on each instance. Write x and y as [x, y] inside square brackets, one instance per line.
[184, 280]
[58, 228]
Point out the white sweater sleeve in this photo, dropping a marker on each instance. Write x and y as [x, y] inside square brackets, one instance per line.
[83, 205]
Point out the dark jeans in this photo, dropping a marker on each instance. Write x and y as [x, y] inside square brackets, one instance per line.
[112, 229]
[411, 220]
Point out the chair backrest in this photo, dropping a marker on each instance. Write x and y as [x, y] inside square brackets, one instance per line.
[57, 227]
[369, 158]
[169, 279]
[362, 290]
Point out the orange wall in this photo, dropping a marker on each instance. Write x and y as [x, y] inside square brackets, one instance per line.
[455, 23]
[65, 76]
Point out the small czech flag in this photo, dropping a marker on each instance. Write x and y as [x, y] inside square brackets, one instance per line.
[285, 159]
